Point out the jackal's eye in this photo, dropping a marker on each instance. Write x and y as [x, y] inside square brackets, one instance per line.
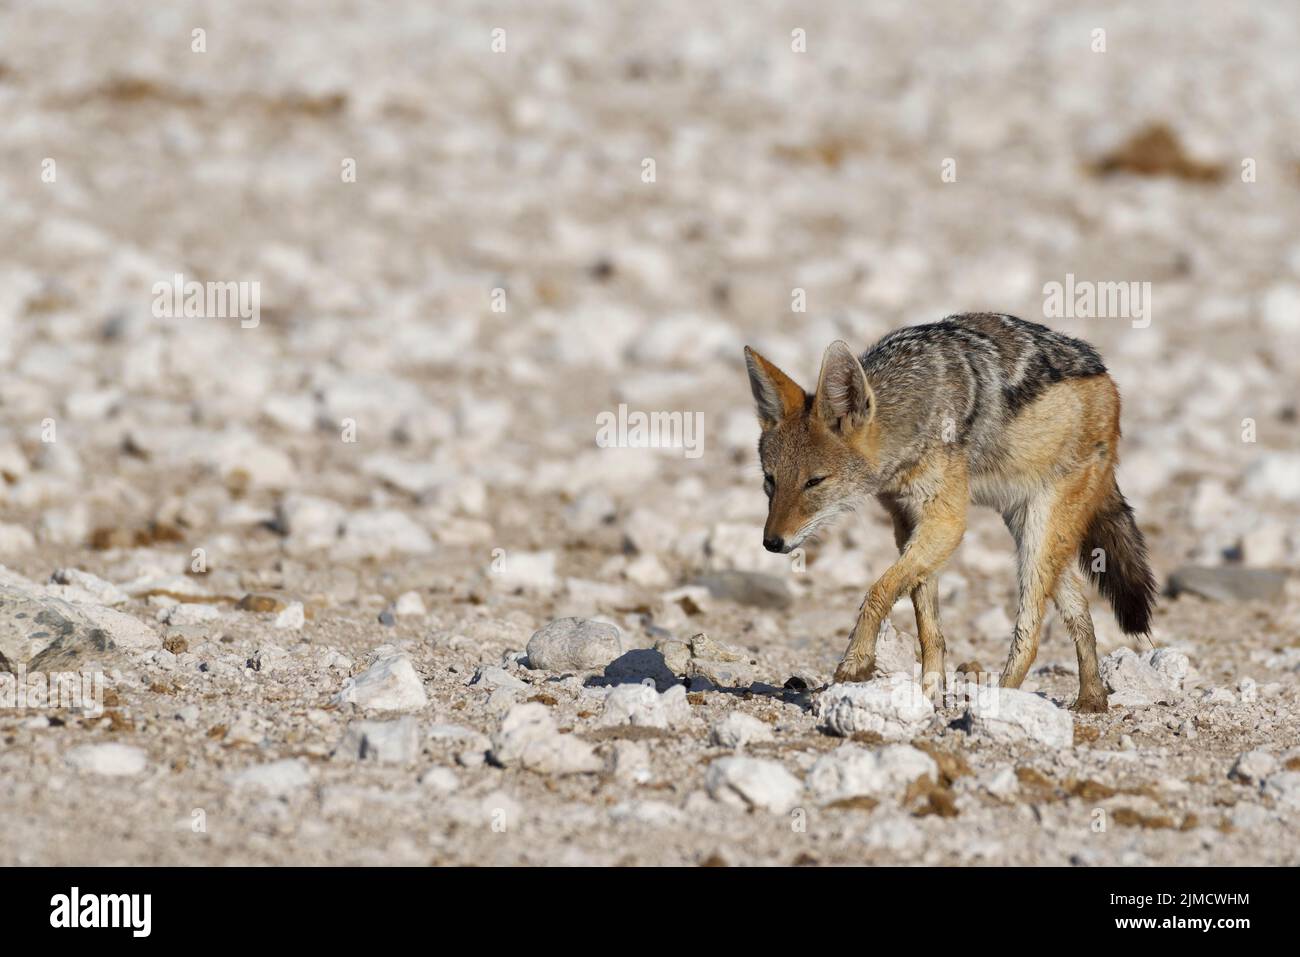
[814, 481]
[768, 484]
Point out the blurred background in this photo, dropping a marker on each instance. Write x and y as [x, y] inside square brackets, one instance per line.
[498, 146]
[462, 250]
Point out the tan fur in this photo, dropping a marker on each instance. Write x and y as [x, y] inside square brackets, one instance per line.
[1058, 462]
[1048, 472]
[788, 398]
[867, 444]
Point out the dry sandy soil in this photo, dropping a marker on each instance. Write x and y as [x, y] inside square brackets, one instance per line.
[416, 411]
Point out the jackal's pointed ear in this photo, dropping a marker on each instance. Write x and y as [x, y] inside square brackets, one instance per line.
[844, 400]
[776, 394]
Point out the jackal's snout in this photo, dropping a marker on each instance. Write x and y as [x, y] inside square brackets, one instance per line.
[775, 543]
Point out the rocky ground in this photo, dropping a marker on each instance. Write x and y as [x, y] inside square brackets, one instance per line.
[325, 563]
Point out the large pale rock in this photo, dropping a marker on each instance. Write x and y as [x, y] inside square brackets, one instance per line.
[96, 588]
[388, 742]
[1134, 680]
[893, 706]
[188, 613]
[110, 759]
[720, 674]
[702, 646]
[1173, 666]
[655, 813]
[15, 539]
[390, 684]
[896, 833]
[738, 729]
[379, 533]
[128, 632]
[529, 738]
[309, 522]
[719, 664]
[676, 654]
[440, 780]
[753, 783]
[1008, 714]
[494, 677]
[627, 760]
[1280, 309]
[276, 778]
[1252, 767]
[50, 634]
[1275, 475]
[895, 651]
[641, 705]
[574, 644]
[409, 605]
[1269, 544]
[1284, 788]
[851, 771]
[527, 571]
[675, 705]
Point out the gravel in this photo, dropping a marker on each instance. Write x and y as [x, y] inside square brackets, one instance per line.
[398, 465]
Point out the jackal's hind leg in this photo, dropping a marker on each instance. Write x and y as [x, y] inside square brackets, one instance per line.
[1072, 603]
[1039, 560]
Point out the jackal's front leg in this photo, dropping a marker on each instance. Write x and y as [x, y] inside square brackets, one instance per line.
[925, 602]
[939, 528]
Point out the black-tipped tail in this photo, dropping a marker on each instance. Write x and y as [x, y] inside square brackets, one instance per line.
[1114, 555]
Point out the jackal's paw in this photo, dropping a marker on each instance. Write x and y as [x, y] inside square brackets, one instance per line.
[850, 670]
[1091, 703]
[932, 686]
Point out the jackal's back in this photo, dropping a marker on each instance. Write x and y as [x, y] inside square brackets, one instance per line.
[964, 379]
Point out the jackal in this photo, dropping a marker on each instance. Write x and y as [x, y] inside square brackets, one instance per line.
[979, 408]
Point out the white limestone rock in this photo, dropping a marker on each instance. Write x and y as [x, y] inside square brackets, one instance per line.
[111, 759]
[1009, 714]
[753, 783]
[574, 644]
[738, 729]
[851, 771]
[390, 684]
[893, 706]
[529, 738]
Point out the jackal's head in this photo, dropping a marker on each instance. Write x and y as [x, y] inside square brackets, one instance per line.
[818, 451]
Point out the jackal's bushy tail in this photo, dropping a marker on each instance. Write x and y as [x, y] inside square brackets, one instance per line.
[1123, 575]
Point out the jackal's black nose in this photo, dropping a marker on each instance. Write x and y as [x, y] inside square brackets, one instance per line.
[774, 544]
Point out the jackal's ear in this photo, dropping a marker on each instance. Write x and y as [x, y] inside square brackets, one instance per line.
[776, 394]
[844, 400]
